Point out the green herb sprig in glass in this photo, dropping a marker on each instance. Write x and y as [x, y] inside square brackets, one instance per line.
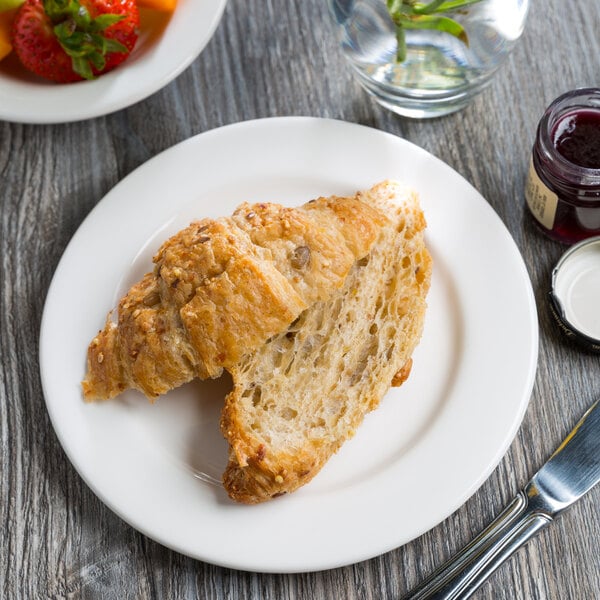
[411, 14]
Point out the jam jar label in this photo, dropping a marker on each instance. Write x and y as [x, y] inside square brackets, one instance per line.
[541, 200]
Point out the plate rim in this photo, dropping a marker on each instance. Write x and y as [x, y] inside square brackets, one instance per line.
[294, 565]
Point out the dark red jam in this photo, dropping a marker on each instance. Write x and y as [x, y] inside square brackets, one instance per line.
[563, 187]
[577, 137]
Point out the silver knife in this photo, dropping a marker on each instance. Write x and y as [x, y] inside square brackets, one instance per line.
[572, 471]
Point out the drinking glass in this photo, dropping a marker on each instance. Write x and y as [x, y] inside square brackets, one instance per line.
[441, 73]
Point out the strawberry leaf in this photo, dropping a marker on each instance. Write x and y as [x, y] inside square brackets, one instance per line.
[80, 36]
[111, 45]
[82, 67]
[97, 59]
[101, 22]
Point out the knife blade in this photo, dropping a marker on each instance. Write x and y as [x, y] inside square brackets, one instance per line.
[571, 472]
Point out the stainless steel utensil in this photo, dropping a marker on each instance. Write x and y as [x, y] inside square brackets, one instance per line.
[571, 472]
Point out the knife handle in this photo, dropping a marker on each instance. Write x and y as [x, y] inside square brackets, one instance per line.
[463, 574]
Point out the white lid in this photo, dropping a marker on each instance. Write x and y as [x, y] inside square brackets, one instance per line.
[576, 290]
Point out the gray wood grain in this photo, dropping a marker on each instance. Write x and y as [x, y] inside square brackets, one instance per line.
[267, 58]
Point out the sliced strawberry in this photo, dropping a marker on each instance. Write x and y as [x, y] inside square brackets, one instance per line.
[68, 40]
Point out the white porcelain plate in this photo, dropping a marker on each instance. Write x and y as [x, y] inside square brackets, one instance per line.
[166, 46]
[415, 460]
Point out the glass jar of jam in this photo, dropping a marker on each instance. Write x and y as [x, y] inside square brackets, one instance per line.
[563, 185]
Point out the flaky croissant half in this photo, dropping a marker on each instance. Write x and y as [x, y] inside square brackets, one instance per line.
[221, 288]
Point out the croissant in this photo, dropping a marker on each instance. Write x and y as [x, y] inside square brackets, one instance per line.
[220, 288]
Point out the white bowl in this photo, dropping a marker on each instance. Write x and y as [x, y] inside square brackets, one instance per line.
[168, 43]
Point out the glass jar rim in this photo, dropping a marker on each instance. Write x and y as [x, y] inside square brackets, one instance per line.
[563, 105]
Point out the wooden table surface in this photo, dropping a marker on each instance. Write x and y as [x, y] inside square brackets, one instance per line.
[272, 58]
